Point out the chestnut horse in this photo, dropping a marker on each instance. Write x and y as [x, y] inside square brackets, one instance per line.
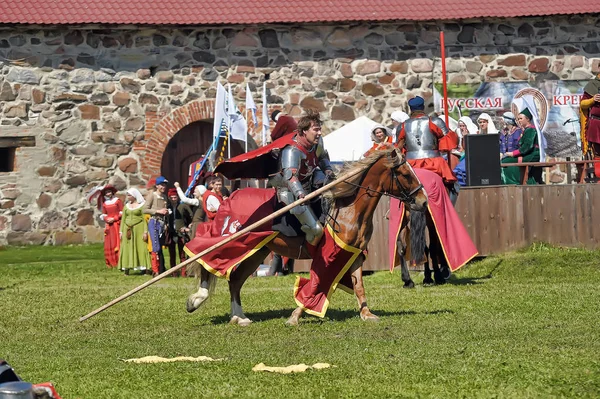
[386, 172]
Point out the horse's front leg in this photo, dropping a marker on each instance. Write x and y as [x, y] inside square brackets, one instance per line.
[401, 245]
[237, 280]
[359, 290]
[199, 297]
[295, 317]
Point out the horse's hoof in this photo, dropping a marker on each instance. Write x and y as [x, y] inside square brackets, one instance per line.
[244, 322]
[428, 283]
[409, 284]
[196, 300]
[291, 322]
[234, 320]
[368, 316]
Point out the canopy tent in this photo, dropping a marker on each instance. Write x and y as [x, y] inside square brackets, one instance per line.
[351, 141]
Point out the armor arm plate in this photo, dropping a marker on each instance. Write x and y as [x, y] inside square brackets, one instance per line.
[441, 124]
[291, 160]
[323, 156]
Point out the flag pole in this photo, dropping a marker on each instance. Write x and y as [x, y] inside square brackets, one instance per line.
[225, 241]
[444, 83]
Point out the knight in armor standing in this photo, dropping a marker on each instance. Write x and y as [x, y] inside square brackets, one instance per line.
[422, 138]
[303, 163]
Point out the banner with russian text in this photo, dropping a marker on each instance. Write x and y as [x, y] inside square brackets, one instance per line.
[557, 103]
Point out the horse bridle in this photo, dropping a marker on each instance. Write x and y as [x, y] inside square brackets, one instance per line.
[407, 198]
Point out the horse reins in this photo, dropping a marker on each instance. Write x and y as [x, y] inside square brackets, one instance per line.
[408, 198]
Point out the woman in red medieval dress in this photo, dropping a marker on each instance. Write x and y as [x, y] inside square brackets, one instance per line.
[112, 210]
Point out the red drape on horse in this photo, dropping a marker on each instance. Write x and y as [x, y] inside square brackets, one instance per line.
[241, 209]
[328, 270]
[457, 245]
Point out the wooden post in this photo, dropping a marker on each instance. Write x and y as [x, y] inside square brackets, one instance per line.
[221, 243]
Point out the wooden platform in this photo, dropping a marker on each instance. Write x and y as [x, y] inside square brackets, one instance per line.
[507, 218]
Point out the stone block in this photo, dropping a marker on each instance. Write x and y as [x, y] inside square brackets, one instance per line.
[20, 223]
[89, 111]
[70, 97]
[371, 89]
[130, 85]
[386, 79]
[343, 113]
[346, 70]
[120, 149]
[313, 103]
[93, 234]
[134, 124]
[146, 98]
[85, 217]
[421, 65]
[29, 238]
[100, 99]
[77, 180]
[400, 67]
[164, 77]
[368, 67]
[53, 186]
[3, 222]
[128, 165]
[6, 92]
[539, 65]
[474, 66]
[19, 110]
[43, 201]
[101, 162]
[7, 204]
[347, 84]
[46, 171]
[513, 60]
[496, 73]
[68, 238]
[10, 193]
[144, 74]
[53, 220]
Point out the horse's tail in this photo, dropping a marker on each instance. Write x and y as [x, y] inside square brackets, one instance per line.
[418, 243]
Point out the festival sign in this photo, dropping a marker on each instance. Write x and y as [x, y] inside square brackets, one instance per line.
[557, 103]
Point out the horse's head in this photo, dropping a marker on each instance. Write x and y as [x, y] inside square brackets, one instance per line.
[402, 182]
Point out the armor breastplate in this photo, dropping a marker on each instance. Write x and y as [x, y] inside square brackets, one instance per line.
[420, 142]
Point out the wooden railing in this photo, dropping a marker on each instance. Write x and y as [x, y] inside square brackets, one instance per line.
[581, 165]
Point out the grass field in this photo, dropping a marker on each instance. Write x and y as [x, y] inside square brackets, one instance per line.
[524, 324]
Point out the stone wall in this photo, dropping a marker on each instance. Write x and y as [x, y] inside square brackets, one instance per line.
[103, 102]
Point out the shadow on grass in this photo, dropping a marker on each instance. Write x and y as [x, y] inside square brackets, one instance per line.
[332, 314]
[8, 287]
[474, 280]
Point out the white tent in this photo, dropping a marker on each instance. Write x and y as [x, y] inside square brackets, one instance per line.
[351, 141]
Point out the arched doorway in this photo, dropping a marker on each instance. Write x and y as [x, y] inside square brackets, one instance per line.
[186, 147]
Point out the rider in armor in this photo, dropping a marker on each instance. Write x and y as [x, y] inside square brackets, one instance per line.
[422, 138]
[303, 165]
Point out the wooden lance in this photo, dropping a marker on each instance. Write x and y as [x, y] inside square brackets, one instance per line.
[225, 241]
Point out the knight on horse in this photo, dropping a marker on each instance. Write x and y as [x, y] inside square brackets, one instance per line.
[423, 137]
[294, 164]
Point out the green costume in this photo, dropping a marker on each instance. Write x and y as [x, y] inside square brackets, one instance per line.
[529, 151]
[134, 250]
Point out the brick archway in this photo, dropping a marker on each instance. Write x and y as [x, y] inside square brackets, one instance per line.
[161, 128]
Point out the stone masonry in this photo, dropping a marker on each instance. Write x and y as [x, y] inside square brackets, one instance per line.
[103, 102]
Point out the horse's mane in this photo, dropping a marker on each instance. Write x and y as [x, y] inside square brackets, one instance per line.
[349, 187]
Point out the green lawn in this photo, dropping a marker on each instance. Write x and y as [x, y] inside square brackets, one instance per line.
[521, 325]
